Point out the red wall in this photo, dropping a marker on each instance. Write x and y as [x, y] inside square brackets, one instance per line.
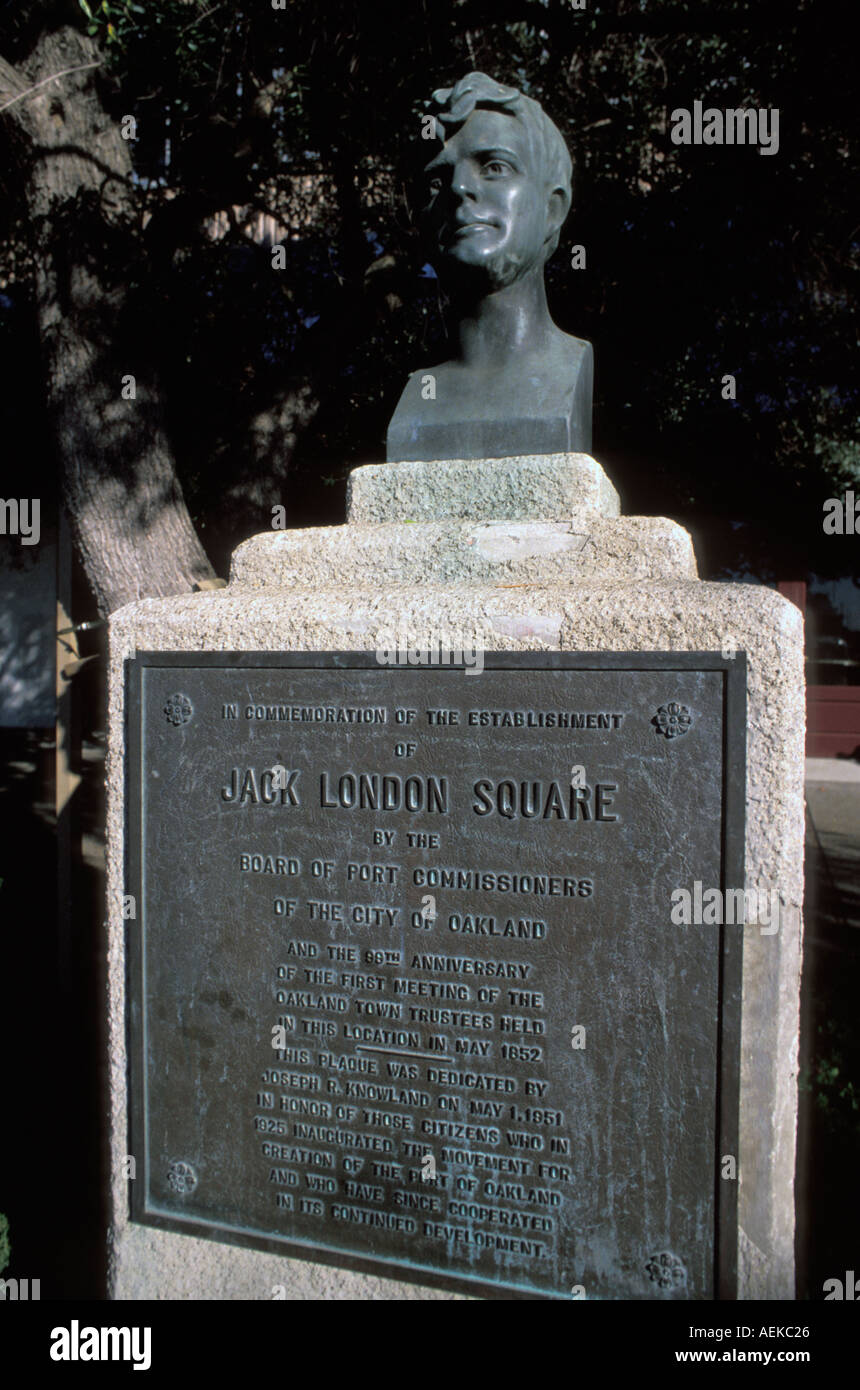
[832, 720]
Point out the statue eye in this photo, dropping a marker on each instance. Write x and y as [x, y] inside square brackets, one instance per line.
[498, 166]
[434, 186]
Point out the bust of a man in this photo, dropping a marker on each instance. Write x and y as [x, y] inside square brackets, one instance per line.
[497, 190]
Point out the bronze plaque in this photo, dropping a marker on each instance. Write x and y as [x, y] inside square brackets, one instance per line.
[406, 992]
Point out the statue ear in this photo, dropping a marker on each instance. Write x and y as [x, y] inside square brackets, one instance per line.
[558, 206]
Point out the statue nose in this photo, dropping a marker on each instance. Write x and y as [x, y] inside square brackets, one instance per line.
[463, 183]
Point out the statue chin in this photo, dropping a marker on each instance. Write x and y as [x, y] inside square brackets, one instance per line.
[462, 272]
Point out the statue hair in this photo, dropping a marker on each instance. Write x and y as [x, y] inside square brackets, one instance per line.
[454, 105]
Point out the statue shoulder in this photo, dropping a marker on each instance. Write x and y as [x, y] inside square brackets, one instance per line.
[574, 348]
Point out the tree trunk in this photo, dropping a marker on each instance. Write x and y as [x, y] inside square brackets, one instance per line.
[121, 491]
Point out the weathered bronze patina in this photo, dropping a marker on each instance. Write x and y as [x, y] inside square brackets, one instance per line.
[406, 991]
[497, 189]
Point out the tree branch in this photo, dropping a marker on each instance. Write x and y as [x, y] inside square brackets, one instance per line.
[12, 82]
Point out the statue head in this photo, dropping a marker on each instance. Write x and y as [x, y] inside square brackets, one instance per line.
[498, 185]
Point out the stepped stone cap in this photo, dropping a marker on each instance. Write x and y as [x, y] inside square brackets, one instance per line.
[464, 553]
[524, 487]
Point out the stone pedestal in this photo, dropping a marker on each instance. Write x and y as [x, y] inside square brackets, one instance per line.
[521, 554]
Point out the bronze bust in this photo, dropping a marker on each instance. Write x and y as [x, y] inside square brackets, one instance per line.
[497, 190]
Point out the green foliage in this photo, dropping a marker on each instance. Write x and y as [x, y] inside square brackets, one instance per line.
[828, 1079]
[5, 1243]
[117, 25]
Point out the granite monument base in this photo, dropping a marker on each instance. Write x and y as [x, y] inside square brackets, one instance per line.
[528, 560]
